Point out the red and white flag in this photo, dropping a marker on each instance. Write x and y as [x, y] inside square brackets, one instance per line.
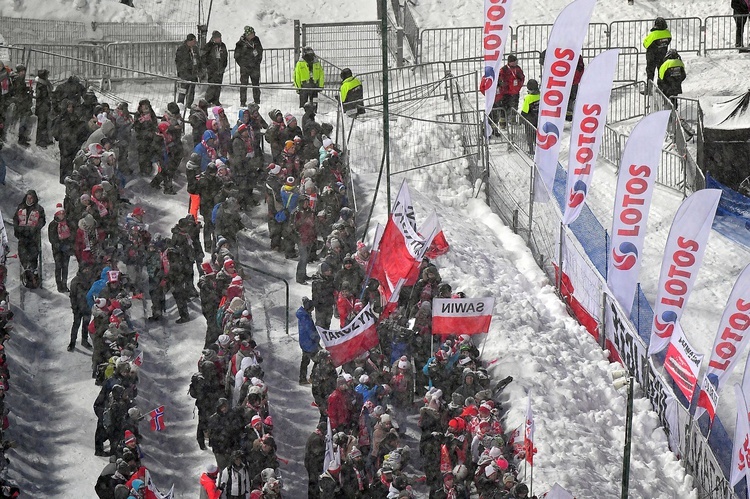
[434, 238]
[682, 362]
[462, 315]
[138, 360]
[528, 434]
[515, 440]
[355, 338]
[560, 62]
[391, 300]
[400, 245]
[731, 341]
[494, 39]
[741, 449]
[635, 188]
[156, 417]
[589, 120]
[332, 455]
[682, 259]
[152, 492]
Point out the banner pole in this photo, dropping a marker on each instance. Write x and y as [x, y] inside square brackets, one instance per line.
[531, 479]
[602, 324]
[560, 260]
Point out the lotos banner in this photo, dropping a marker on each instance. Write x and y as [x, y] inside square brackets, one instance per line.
[494, 39]
[683, 256]
[589, 118]
[355, 338]
[731, 340]
[461, 315]
[560, 61]
[741, 448]
[682, 363]
[635, 186]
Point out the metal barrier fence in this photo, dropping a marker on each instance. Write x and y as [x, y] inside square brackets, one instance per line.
[534, 37]
[277, 67]
[23, 31]
[61, 60]
[627, 102]
[721, 33]
[686, 33]
[689, 34]
[411, 30]
[406, 84]
[155, 57]
[353, 45]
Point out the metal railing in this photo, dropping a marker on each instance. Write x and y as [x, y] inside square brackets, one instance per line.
[23, 30]
[686, 33]
[721, 32]
[411, 29]
[277, 66]
[534, 37]
[355, 45]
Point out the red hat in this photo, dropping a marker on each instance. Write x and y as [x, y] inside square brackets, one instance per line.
[502, 463]
[129, 437]
[241, 128]
[163, 127]
[228, 263]
[256, 420]
[138, 211]
[470, 411]
[268, 421]
[59, 209]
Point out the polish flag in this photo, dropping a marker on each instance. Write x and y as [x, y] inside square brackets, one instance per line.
[461, 315]
[434, 238]
[347, 343]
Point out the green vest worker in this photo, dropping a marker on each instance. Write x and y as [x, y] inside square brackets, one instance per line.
[351, 93]
[671, 75]
[656, 45]
[530, 106]
[308, 76]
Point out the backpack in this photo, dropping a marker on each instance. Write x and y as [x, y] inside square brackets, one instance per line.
[215, 212]
[195, 381]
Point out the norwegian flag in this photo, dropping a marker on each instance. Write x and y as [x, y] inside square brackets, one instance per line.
[156, 417]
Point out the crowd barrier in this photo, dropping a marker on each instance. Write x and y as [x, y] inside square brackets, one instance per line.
[689, 34]
[22, 30]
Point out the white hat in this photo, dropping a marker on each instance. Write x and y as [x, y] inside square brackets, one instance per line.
[364, 379]
[275, 170]
[212, 468]
[327, 143]
[403, 364]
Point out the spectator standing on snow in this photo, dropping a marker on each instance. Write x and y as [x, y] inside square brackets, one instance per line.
[309, 340]
[62, 239]
[530, 111]
[28, 221]
[509, 84]
[740, 10]
[79, 287]
[308, 76]
[188, 65]
[656, 45]
[215, 58]
[23, 97]
[43, 107]
[671, 76]
[248, 54]
[351, 94]
[146, 130]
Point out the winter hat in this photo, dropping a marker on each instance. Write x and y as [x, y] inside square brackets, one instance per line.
[85, 197]
[290, 180]
[347, 377]
[385, 418]
[355, 452]
[134, 413]
[508, 478]
[163, 127]
[138, 484]
[237, 280]
[307, 303]
[512, 58]
[364, 379]
[138, 211]
[224, 340]
[495, 452]
[216, 34]
[403, 362]
[268, 421]
[297, 139]
[327, 143]
[249, 29]
[212, 469]
[129, 439]
[469, 412]
[100, 302]
[502, 463]
[489, 471]
[288, 146]
[289, 119]
[241, 128]
[59, 210]
[274, 169]
[228, 263]
[207, 268]
[113, 276]
[95, 150]
[256, 420]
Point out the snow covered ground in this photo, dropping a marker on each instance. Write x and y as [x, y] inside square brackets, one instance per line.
[580, 417]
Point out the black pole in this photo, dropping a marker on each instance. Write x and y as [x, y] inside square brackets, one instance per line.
[386, 145]
[628, 434]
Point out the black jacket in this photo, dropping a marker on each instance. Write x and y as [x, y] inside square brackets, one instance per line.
[248, 54]
[740, 7]
[214, 57]
[188, 62]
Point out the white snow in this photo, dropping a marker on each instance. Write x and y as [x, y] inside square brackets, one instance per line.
[580, 417]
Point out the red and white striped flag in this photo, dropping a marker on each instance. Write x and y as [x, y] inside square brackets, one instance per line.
[682, 362]
[434, 237]
[152, 492]
[347, 343]
[461, 315]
